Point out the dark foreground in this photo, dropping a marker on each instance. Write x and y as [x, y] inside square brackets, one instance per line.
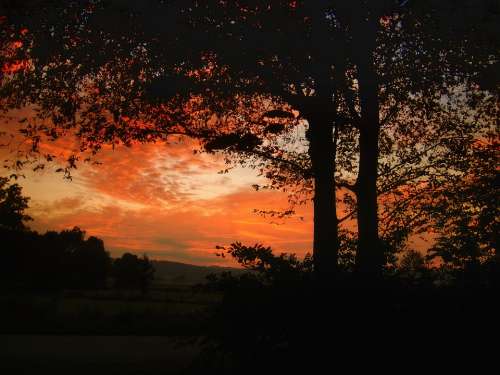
[102, 331]
[72, 354]
[250, 329]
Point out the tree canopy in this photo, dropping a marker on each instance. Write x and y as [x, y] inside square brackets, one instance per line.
[13, 206]
[390, 93]
[131, 271]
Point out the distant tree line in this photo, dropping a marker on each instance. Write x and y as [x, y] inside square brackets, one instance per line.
[57, 260]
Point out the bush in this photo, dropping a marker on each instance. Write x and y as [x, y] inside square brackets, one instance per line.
[132, 272]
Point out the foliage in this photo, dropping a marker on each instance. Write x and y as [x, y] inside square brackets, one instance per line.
[283, 325]
[466, 215]
[89, 264]
[414, 270]
[272, 268]
[54, 260]
[12, 206]
[267, 268]
[132, 272]
[114, 73]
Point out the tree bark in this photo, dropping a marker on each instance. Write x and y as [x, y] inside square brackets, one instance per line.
[320, 112]
[322, 154]
[369, 256]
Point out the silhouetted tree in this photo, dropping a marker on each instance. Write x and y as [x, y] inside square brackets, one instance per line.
[53, 260]
[183, 92]
[417, 86]
[412, 261]
[18, 249]
[464, 215]
[66, 260]
[132, 272]
[347, 68]
[469, 208]
[414, 270]
[89, 264]
[12, 206]
[270, 268]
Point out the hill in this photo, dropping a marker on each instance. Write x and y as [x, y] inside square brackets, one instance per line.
[174, 273]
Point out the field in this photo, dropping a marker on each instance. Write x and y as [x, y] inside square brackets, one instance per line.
[107, 331]
[164, 310]
[73, 354]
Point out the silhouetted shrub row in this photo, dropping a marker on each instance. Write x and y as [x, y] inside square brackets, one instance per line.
[413, 270]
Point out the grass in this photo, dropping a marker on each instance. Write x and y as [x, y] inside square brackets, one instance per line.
[165, 310]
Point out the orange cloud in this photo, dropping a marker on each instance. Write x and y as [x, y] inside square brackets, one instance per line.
[186, 234]
[162, 200]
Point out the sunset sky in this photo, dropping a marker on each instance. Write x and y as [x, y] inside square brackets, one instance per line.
[164, 201]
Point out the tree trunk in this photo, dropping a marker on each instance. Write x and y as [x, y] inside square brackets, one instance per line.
[369, 256]
[320, 114]
[322, 153]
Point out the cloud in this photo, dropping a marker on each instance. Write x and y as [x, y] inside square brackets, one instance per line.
[189, 234]
[160, 174]
[163, 200]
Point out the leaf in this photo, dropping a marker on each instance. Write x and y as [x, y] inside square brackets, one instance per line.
[222, 142]
[275, 128]
[278, 113]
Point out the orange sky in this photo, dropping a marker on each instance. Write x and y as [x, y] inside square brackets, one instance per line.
[164, 201]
